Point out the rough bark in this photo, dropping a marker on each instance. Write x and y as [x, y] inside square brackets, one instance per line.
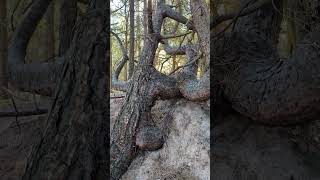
[200, 17]
[75, 142]
[145, 87]
[147, 84]
[3, 47]
[68, 17]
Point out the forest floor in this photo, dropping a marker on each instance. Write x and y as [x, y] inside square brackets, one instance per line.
[17, 136]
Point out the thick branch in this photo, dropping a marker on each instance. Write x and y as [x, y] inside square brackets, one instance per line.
[165, 87]
[169, 12]
[196, 90]
[190, 87]
[269, 90]
[23, 113]
[23, 33]
[34, 77]
[40, 78]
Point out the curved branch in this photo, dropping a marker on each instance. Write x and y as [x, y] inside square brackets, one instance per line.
[190, 87]
[116, 83]
[166, 87]
[34, 77]
[270, 90]
[22, 35]
[196, 90]
[169, 12]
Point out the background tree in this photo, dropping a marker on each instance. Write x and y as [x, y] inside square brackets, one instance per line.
[132, 37]
[3, 47]
[50, 32]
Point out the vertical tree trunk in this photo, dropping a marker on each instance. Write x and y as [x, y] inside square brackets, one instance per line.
[3, 47]
[145, 19]
[131, 52]
[68, 17]
[50, 31]
[125, 69]
[138, 34]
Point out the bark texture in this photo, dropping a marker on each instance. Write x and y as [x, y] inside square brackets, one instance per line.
[145, 86]
[75, 141]
[68, 17]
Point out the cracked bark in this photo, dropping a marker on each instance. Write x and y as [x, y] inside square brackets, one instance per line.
[75, 142]
[145, 87]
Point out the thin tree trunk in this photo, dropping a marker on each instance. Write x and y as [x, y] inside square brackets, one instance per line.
[145, 20]
[125, 69]
[50, 31]
[132, 40]
[3, 47]
[138, 34]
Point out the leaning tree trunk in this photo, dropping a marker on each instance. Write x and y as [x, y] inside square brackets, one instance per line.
[134, 130]
[75, 142]
[135, 115]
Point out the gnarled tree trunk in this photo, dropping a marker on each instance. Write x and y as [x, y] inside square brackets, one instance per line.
[134, 121]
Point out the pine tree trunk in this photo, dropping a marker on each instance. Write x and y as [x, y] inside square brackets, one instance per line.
[75, 142]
